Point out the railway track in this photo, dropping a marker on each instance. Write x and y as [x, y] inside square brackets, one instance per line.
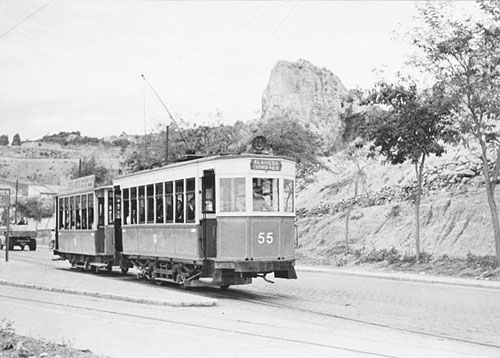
[241, 332]
[264, 300]
[258, 296]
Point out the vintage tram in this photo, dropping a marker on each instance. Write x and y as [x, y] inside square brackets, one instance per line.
[220, 220]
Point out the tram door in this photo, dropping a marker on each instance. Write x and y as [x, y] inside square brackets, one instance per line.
[118, 220]
[100, 223]
[208, 222]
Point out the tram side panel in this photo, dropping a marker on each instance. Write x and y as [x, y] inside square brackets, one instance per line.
[180, 242]
[77, 242]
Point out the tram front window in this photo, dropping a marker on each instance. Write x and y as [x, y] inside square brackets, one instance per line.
[289, 196]
[232, 195]
[265, 194]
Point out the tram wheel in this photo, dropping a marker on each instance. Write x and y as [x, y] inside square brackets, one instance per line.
[224, 287]
[159, 282]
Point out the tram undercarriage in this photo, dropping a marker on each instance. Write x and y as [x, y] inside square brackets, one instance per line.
[207, 272]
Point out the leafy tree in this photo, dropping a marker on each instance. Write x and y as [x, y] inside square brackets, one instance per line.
[410, 130]
[4, 139]
[202, 140]
[464, 57]
[16, 140]
[286, 136]
[36, 209]
[90, 167]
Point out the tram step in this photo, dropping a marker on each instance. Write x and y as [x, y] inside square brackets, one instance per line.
[163, 279]
[98, 264]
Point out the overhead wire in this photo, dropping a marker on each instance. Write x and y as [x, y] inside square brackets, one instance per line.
[169, 114]
[250, 59]
[25, 19]
[183, 54]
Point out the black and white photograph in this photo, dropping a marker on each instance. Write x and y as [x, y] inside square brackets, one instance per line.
[249, 179]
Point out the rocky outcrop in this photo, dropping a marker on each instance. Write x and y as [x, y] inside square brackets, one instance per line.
[313, 96]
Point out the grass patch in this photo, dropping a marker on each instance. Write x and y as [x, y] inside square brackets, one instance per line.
[13, 345]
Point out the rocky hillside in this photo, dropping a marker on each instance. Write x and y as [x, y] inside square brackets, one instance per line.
[454, 213]
[312, 95]
[49, 163]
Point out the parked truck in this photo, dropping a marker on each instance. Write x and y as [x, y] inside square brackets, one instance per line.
[21, 234]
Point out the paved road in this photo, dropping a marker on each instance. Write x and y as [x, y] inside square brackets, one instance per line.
[319, 315]
[463, 313]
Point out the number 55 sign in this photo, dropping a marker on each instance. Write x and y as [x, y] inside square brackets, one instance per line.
[265, 237]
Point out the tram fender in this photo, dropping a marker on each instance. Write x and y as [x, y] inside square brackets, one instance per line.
[289, 274]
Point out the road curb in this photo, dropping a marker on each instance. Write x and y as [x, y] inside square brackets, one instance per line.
[406, 277]
[114, 296]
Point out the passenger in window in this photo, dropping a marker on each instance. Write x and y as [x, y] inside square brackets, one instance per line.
[259, 201]
[159, 213]
[209, 200]
[190, 209]
[179, 212]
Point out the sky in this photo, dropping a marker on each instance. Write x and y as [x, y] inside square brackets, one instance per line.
[76, 65]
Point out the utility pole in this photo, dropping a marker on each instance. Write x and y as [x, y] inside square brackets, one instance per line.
[15, 209]
[5, 204]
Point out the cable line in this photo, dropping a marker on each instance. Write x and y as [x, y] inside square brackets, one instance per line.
[25, 19]
[264, 43]
[170, 114]
[188, 51]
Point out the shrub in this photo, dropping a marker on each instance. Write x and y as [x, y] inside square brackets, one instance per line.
[7, 336]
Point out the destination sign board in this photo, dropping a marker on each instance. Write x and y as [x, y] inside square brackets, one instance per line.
[80, 184]
[265, 164]
[4, 198]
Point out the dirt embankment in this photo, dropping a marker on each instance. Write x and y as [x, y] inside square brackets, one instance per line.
[454, 215]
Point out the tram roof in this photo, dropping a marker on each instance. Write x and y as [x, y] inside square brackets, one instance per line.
[197, 160]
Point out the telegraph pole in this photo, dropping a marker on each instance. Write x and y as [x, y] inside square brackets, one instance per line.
[5, 203]
[15, 209]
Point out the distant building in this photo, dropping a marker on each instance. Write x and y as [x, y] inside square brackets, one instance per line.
[25, 191]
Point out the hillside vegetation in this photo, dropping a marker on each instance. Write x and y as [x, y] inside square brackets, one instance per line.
[454, 213]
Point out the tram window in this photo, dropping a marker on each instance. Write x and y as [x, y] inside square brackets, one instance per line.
[110, 207]
[118, 204]
[179, 201]
[191, 200]
[72, 212]
[78, 218]
[133, 205]
[232, 195]
[150, 202]
[90, 210]
[169, 201]
[126, 206]
[265, 194]
[66, 213]
[208, 192]
[288, 195]
[142, 208]
[159, 203]
[60, 219]
[84, 212]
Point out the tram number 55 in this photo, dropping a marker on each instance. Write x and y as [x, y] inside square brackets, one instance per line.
[265, 238]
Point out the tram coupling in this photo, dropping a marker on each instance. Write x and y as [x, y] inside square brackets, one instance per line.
[263, 276]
